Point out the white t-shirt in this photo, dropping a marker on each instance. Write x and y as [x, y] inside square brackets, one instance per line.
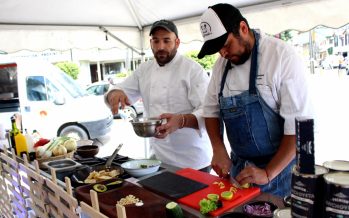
[281, 81]
[179, 87]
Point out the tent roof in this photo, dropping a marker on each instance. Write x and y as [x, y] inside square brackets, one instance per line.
[42, 24]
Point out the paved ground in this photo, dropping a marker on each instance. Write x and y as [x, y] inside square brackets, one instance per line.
[330, 92]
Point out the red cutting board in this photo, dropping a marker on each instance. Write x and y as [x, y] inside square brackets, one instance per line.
[192, 200]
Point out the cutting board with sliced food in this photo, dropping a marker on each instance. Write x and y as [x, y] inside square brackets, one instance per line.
[138, 202]
[218, 197]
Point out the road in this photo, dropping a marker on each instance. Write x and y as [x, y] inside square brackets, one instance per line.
[330, 93]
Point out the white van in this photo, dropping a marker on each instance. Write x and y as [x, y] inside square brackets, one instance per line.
[50, 101]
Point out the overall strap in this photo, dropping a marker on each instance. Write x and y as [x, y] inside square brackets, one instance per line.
[254, 65]
[225, 73]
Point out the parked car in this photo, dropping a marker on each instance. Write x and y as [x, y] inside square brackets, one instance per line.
[101, 87]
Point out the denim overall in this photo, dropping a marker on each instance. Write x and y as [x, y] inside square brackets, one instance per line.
[254, 130]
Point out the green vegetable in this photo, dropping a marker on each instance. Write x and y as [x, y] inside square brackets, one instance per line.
[213, 197]
[100, 188]
[173, 210]
[207, 206]
[143, 166]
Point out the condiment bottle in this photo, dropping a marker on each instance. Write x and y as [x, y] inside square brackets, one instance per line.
[29, 140]
[21, 145]
[14, 131]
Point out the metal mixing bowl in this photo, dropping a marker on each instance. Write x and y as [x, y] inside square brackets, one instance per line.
[146, 126]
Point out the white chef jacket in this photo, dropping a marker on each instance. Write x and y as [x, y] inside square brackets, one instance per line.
[179, 87]
[281, 82]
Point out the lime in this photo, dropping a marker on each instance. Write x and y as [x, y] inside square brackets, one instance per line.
[227, 195]
[213, 197]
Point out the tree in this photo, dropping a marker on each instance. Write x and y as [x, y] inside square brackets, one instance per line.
[69, 68]
[206, 62]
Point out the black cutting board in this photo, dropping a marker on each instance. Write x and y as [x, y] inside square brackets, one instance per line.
[171, 185]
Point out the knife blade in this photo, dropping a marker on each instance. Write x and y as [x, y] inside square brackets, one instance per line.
[234, 182]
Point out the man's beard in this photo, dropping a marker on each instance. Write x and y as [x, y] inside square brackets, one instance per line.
[245, 55]
[163, 57]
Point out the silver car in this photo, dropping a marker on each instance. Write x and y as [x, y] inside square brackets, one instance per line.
[101, 87]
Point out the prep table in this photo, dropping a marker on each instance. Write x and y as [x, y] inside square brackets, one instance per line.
[157, 210]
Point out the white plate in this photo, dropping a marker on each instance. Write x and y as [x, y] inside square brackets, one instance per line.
[138, 168]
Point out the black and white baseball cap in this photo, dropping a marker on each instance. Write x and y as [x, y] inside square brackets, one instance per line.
[216, 23]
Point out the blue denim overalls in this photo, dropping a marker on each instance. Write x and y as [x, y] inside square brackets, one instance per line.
[254, 130]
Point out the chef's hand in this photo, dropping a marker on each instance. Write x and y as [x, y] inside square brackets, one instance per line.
[221, 162]
[253, 174]
[174, 122]
[117, 98]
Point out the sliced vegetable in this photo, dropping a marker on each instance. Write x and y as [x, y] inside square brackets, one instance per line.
[213, 197]
[100, 188]
[246, 185]
[173, 210]
[41, 142]
[263, 210]
[227, 195]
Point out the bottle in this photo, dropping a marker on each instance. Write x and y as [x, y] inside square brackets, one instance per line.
[21, 145]
[30, 145]
[14, 131]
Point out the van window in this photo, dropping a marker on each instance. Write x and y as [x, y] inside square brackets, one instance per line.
[8, 81]
[68, 84]
[40, 89]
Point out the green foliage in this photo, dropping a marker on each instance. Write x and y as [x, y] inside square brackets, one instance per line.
[286, 35]
[206, 62]
[330, 51]
[69, 68]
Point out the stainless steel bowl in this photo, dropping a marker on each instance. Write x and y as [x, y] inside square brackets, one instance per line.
[146, 126]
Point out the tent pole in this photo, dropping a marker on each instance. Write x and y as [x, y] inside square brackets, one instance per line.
[120, 40]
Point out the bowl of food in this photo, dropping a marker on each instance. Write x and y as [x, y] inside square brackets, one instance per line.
[142, 167]
[87, 150]
[146, 126]
[259, 209]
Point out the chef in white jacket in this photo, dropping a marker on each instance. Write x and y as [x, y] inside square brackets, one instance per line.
[173, 88]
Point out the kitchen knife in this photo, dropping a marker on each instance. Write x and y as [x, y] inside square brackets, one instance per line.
[234, 182]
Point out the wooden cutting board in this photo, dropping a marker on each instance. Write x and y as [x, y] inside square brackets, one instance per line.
[192, 200]
[154, 205]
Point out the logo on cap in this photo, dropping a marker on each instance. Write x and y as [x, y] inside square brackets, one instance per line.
[205, 29]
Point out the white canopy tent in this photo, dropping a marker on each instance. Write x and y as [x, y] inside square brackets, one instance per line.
[38, 25]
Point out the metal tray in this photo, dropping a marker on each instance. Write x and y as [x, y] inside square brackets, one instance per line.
[61, 165]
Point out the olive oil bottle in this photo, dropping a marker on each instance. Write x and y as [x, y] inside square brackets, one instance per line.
[14, 131]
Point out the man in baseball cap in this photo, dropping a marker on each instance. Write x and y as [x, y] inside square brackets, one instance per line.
[257, 89]
[171, 86]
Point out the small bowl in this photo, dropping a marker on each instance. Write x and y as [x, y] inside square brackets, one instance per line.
[87, 150]
[143, 167]
[146, 127]
[257, 204]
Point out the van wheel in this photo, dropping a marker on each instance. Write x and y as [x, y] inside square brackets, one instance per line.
[126, 113]
[74, 131]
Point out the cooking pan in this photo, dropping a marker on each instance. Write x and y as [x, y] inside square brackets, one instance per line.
[81, 173]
